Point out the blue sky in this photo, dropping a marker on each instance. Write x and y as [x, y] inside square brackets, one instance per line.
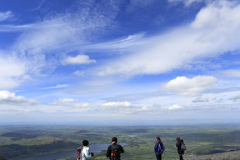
[62, 61]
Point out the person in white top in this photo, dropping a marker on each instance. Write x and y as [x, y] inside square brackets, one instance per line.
[85, 153]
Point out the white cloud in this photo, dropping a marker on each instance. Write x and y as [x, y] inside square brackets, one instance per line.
[70, 102]
[121, 108]
[64, 101]
[176, 107]
[9, 98]
[190, 87]
[79, 59]
[5, 15]
[81, 105]
[186, 2]
[115, 105]
[57, 86]
[182, 46]
[128, 108]
[13, 72]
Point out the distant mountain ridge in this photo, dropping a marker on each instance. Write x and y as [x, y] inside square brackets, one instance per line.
[17, 135]
[234, 155]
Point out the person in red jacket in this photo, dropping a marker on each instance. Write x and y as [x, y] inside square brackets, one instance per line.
[178, 145]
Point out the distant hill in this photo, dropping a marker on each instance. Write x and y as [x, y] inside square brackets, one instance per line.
[17, 135]
[82, 131]
[235, 155]
[48, 144]
[45, 139]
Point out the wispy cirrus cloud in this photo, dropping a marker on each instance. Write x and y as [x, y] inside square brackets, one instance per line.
[182, 46]
[63, 32]
[186, 2]
[130, 43]
[57, 86]
[16, 28]
[13, 71]
[6, 15]
[39, 6]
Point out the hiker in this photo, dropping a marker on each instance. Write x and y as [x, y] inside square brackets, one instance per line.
[114, 151]
[158, 148]
[83, 152]
[179, 146]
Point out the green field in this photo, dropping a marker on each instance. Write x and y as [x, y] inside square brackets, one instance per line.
[17, 141]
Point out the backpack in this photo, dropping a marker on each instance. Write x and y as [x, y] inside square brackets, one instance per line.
[115, 152]
[183, 147]
[79, 151]
[161, 148]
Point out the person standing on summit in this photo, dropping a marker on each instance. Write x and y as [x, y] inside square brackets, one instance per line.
[114, 151]
[85, 154]
[180, 151]
[158, 152]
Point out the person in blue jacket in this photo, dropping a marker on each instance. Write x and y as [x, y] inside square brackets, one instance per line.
[158, 154]
[180, 151]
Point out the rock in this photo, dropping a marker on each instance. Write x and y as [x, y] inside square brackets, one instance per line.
[230, 155]
[1, 158]
[231, 150]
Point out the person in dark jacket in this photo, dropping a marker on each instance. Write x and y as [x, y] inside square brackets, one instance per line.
[158, 154]
[178, 145]
[114, 151]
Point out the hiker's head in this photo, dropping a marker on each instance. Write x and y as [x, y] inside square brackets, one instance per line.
[178, 138]
[158, 139]
[114, 140]
[85, 142]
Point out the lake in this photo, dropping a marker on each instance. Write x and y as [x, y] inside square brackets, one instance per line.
[93, 148]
